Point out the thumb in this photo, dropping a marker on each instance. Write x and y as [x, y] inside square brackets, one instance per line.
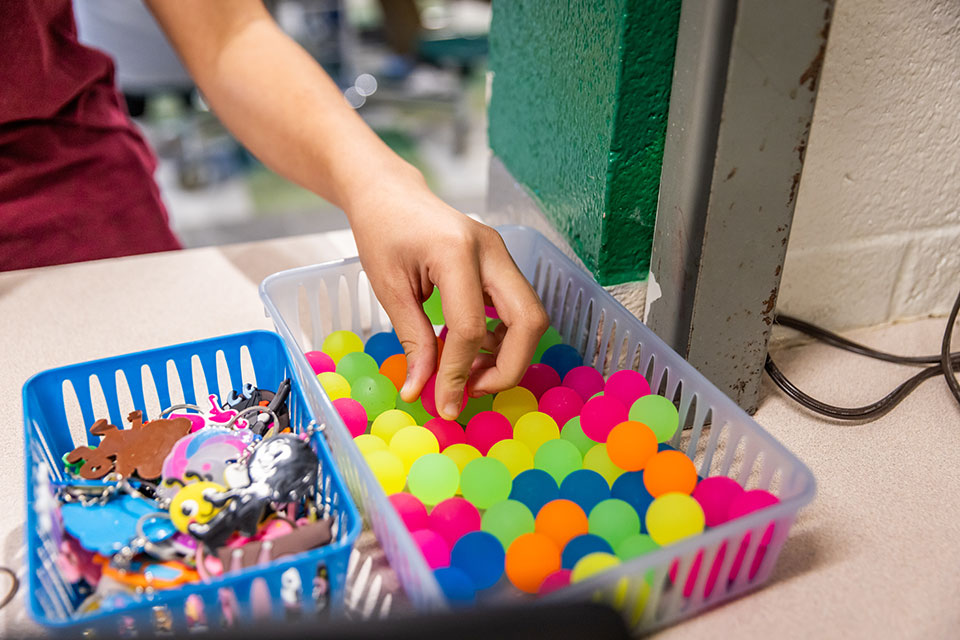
[418, 340]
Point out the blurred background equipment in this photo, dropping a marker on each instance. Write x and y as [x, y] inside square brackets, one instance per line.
[414, 69]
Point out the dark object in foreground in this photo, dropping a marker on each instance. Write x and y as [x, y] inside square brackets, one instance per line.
[551, 622]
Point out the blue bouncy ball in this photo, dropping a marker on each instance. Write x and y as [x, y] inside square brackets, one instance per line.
[534, 488]
[456, 586]
[383, 345]
[581, 546]
[629, 487]
[585, 487]
[480, 555]
[562, 357]
[663, 446]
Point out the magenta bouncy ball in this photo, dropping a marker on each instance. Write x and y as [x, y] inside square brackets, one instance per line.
[715, 495]
[353, 414]
[410, 510]
[600, 415]
[453, 518]
[561, 404]
[486, 429]
[434, 548]
[320, 362]
[626, 386]
[585, 380]
[448, 432]
[539, 378]
[428, 397]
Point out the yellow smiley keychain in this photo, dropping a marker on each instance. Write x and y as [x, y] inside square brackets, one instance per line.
[191, 505]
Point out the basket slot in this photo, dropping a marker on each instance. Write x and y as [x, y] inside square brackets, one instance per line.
[593, 331]
[580, 339]
[772, 479]
[603, 356]
[210, 375]
[163, 378]
[657, 595]
[568, 326]
[81, 388]
[66, 404]
[718, 434]
[131, 393]
[749, 471]
[108, 389]
[234, 370]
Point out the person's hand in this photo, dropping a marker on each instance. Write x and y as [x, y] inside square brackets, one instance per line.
[409, 241]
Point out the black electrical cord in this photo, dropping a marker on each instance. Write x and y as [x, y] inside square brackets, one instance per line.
[942, 365]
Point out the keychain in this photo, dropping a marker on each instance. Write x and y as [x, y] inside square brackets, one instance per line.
[281, 469]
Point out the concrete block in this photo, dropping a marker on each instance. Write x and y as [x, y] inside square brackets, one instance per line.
[843, 285]
[929, 280]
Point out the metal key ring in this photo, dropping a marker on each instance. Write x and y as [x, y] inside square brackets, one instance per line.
[258, 409]
[180, 406]
[14, 586]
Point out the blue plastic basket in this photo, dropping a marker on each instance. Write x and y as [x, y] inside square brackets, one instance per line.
[61, 404]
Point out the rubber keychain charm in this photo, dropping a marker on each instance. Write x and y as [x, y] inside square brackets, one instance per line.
[281, 469]
[140, 449]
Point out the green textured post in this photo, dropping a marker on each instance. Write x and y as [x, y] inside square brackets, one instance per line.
[578, 114]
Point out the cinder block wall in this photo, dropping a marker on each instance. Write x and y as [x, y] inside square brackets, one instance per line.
[876, 233]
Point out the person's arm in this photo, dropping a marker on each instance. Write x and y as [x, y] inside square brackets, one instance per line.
[290, 114]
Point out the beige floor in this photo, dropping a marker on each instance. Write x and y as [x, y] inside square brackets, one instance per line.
[875, 555]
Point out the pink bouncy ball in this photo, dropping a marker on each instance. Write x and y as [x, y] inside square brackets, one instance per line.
[320, 362]
[715, 495]
[353, 414]
[486, 429]
[539, 379]
[626, 386]
[600, 415]
[448, 432]
[561, 404]
[585, 380]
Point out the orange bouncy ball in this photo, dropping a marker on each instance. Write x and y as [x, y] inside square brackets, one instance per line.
[561, 520]
[631, 444]
[530, 559]
[669, 471]
[395, 368]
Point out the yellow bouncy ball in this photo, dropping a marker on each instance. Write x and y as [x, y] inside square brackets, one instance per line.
[592, 564]
[340, 343]
[368, 443]
[334, 384]
[388, 470]
[514, 402]
[597, 459]
[513, 454]
[535, 428]
[386, 425]
[410, 443]
[673, 517]
[190, 505]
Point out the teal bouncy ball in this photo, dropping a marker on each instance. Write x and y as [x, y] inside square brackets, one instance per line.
[549, 338]
[562, 357]
[376, 393]
[383, 345]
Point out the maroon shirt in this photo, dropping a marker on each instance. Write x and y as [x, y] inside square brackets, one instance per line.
[76, 177]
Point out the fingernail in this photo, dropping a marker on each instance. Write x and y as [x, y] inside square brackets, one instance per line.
[405, 389]
[451, 410]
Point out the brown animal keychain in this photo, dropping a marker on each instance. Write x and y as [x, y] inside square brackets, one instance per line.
[139, 449]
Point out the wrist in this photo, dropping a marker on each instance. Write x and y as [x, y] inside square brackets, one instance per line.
[379, 184]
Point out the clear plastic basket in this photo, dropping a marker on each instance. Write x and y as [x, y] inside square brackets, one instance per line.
[60, 405]
[308, 303]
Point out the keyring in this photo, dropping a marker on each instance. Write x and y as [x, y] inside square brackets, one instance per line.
[180, 406]
[14, 586]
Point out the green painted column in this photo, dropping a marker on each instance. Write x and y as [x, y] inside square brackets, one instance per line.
[578, 114]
